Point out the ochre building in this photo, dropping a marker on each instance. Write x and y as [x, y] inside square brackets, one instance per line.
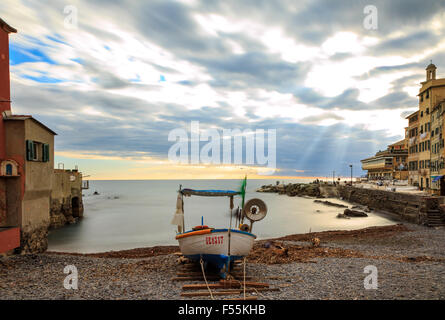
[389, 164]
[31, 192]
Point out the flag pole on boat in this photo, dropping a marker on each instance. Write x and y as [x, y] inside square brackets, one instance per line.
[229, 233]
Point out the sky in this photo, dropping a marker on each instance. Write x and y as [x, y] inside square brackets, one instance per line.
[115, 78]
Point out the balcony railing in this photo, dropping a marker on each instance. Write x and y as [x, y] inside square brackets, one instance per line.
[85, 184]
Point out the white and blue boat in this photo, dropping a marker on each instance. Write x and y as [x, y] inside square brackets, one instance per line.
[219, 247]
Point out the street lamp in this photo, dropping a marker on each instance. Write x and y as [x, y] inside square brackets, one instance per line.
[351, 173]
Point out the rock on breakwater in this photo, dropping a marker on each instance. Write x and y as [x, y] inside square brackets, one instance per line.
[293, 189]
[331, 204]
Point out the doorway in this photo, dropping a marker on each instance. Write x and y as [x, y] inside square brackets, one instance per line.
[442, 186]
[75, 206]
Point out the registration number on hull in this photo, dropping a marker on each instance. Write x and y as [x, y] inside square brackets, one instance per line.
[215, 240]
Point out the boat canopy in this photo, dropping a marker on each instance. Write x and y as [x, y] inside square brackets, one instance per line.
[209, 193]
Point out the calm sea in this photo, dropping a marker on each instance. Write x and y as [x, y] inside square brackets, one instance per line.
[133, 214]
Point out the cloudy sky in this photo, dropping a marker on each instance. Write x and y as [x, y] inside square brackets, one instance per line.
[114, 85]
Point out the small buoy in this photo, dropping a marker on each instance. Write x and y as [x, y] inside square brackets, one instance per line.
[244, 227]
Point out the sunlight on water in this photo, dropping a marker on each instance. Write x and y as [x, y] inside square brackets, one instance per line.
[132, 214]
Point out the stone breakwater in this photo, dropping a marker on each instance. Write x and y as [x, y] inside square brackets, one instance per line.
[293, 189]
[408, 207]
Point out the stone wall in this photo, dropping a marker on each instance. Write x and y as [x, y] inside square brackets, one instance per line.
[404, 206]
[409, 207]
[34, 241]
[66, 198]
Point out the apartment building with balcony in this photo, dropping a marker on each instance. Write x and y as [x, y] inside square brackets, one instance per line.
[389, 164]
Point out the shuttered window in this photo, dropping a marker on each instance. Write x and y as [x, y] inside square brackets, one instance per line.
[45, 152]
[36, 151]
[30, 151]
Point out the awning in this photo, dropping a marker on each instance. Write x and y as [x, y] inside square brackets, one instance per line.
[210, 193]
[436, 178]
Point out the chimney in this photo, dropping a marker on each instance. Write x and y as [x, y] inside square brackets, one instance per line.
[5, 91]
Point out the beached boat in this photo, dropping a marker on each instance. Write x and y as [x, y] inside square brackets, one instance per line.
[219, 247]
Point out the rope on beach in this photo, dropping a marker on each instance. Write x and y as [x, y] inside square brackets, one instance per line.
[205, 279]
[244, 276]
[244, 282]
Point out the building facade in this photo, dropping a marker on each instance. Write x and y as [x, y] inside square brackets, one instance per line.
[437, 149]
[30, 145]
[390, 164]
[413, 156]
[28, 181]
[425, 131]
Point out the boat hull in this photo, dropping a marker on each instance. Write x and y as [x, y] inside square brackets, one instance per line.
[213, 247]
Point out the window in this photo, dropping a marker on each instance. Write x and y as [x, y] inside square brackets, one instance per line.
[427, 110]
[35, 154]
[9, 169]
[37, 151]
[421, 114]
[427, 94]
[421, 97]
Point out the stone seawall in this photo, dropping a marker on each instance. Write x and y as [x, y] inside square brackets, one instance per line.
[66, 198]
[34, 241]
[408, 207]
[62, 212]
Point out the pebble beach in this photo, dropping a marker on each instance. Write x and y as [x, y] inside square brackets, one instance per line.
[410, 260]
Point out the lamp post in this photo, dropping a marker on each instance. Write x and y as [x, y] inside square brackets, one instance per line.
[351, 173]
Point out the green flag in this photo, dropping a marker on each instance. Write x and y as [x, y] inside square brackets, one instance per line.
[243, 191]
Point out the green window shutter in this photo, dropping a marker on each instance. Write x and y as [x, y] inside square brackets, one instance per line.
[29, 150]
[46, 152]
[33, 152]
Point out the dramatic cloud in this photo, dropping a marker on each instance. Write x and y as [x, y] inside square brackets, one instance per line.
[115, 85]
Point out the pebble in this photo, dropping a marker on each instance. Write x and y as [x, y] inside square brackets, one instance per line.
[42, 277]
